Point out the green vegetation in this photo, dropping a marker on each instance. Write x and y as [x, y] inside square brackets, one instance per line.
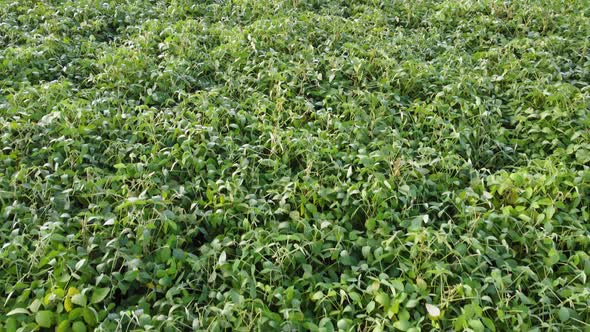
[294, 165]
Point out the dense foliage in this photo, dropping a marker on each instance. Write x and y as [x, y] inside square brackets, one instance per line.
[294, 165]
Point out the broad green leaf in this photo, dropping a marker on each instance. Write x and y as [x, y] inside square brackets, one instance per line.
[80, 264]
[402, 325]
[383, 299]
[18, 311]
[79, 299]
[78, 327]
[99, 294]
[412, 303]
[476, 325]
[370, 307]
[64, 326]
[564, 314]
[317, 296]
[44, 318]
[35, 305]
[89, 316]
[10, 324]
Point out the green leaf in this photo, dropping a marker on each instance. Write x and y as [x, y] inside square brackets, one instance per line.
[78, 327]
[89, 317]
[35, 305]
[64, 326]
[489, 324]
[583, 156]
[370, 307]
[476, 325]
[75, 314]
[44, 318]
[80, 264]
[79, 299]
[402, 325]
[317, 295]
[564, 314]
[370, 224]
[18, 311]
[99, 294]
[10, 325]
[552, 257]
[383, 299]
[145, 320]
[412, 303]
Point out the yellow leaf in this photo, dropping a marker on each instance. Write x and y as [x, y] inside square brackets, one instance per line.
[47, 299]
[73, 291]
[68, 304]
